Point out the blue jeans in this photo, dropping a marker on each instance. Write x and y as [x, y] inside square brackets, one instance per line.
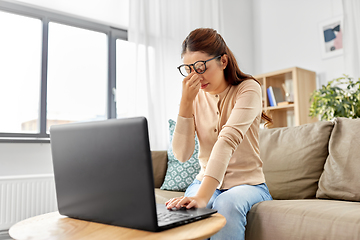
[233, 204]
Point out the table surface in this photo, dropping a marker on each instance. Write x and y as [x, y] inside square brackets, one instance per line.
[56, 226]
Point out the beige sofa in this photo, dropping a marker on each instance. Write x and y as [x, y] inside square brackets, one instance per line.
[313, 174]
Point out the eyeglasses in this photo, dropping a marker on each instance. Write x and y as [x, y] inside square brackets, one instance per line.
[198, 66]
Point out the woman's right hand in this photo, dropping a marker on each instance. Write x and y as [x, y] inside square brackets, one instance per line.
[191, 86]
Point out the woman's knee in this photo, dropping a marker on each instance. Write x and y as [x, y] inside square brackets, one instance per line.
[227, 206]
[239, 199]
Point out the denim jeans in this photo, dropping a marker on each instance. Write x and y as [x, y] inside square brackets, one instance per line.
[233, 204]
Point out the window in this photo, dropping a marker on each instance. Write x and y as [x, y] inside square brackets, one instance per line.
[77, 75]
[20, 64]
[54, 69]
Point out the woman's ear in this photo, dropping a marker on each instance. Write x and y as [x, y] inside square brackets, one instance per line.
[224, 61]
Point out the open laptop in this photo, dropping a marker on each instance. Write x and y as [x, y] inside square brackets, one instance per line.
[103, 173]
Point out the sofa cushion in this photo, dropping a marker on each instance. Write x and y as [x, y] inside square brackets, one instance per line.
[159, 164]
[341, 177]
[294, 158]
[180, 175]
[304, 219]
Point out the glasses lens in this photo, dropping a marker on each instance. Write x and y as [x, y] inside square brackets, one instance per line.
[185, 70]
[200, 67]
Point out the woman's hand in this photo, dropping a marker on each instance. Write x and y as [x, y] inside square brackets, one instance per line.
[191, 86]
[200, 200]
[188, 202]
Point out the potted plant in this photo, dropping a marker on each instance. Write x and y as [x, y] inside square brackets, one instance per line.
[339, 98]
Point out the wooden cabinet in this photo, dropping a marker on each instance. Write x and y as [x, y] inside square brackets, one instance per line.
[300, 83]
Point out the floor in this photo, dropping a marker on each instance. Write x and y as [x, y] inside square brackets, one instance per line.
[4, 235]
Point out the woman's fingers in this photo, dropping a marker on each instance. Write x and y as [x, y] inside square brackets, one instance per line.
[184, 201]
[192, 204]
[192, 80]
[188, 77]
[177, 202]
[181, 202]
[171, 200]
[172, 203]
[195, 81]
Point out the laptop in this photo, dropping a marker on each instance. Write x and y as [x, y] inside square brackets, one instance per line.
[103, 173]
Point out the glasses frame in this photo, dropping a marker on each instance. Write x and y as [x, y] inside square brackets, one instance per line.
[193, 65]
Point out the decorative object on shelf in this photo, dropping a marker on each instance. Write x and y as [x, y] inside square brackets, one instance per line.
[279, 97]
[276, 98]
[331, 37]
[288, 97]
[339, 98]
[288, 88]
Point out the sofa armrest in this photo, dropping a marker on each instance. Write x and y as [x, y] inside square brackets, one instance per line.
[159, 163]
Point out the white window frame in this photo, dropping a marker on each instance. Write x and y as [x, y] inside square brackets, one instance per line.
[46, 17]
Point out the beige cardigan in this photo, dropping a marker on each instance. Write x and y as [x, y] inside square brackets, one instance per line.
[227, 126]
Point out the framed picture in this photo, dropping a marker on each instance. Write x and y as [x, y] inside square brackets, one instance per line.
[331, 37]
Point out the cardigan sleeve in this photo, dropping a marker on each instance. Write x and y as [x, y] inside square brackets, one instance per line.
[247, 107]
[183, 142]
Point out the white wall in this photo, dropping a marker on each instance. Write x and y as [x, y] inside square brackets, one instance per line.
[271, 35]
[287, 35]
[239, 31]
[25, 159]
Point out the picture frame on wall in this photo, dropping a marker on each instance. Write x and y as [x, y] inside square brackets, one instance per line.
[331, 41]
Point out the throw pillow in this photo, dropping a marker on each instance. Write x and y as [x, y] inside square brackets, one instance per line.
[294, 158]
[180, 175]
[341, 179]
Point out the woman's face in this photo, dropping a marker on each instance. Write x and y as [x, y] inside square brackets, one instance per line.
[213, 79]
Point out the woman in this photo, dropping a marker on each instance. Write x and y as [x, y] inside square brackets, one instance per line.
[224, 106]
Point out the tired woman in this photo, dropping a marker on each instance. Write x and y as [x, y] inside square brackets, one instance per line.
[224, 107]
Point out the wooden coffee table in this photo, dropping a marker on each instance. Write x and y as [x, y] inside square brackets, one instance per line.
[56, 226]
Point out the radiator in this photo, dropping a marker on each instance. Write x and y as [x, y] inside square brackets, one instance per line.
[22, 197]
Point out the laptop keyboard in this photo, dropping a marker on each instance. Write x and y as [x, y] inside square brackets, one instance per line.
[172, 216]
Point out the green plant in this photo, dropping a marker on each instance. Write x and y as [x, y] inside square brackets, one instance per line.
[339, 98]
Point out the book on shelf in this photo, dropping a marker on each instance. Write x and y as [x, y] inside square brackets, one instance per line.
[275, 96]
[271, 97]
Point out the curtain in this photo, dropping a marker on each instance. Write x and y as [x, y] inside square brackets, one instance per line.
[157, 29]
[351, 37]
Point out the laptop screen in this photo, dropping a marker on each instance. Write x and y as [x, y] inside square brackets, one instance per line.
[103, 172]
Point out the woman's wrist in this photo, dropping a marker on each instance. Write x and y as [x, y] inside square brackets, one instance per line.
[207, 188]
[186, 109]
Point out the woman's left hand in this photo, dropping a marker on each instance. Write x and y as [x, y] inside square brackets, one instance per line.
[188, 202]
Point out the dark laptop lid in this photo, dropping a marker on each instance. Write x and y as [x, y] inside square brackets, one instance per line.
[101, 175]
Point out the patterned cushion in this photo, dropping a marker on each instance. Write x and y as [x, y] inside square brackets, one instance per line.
[180, 175]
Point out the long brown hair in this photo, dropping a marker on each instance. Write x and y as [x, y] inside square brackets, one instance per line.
[209, 41]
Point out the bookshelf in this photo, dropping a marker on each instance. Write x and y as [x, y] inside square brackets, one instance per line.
[300, 83]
